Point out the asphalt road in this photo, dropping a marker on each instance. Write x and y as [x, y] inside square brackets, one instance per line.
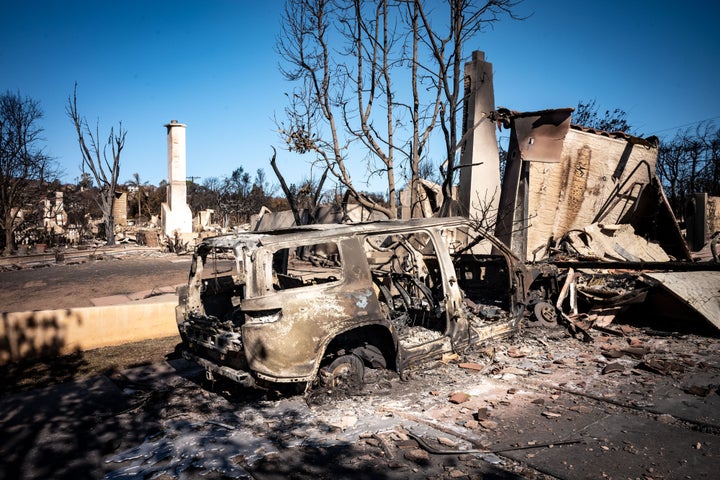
[44, 284]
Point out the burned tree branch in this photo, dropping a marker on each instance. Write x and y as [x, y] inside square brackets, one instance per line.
[104, 168]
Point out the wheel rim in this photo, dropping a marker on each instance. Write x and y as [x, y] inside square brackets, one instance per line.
[345, 370]
[546, 313]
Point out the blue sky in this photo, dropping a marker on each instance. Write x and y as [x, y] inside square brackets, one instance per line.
[212, 65]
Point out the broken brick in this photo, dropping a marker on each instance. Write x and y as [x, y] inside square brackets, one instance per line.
[459, 397]
[472, 366]
[489, 424]
[446, 441]
[421, 457]
[517, 352]
[482, 413]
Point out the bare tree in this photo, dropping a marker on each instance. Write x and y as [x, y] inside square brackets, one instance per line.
[156, 196]
[319, 100]
[395, 77]
[23, 165]
[465, 20]
[670, 168]
[689, 163]
[81, 206]
[235, 190]
[702, 147]
[205, 195]
[103, 161]
[711, 171]
[307, 197]
[259, 196]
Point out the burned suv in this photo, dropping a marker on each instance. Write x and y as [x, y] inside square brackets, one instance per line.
[327, 301]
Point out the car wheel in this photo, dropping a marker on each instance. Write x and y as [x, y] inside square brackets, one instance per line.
[346, 370]
[546, 313]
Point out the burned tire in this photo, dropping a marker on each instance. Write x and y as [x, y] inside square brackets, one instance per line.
[346, 370]
[545, 313]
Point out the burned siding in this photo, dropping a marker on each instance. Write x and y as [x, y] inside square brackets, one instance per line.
[573, 192]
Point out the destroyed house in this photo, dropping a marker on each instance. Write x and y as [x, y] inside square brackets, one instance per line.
[590, 203]
[561, 177]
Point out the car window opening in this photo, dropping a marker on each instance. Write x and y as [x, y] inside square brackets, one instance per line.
[407, 281]
[306, 265]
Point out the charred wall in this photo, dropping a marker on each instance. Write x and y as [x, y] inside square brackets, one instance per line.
[560, 177]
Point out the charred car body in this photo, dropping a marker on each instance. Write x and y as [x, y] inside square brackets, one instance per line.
[290, 306]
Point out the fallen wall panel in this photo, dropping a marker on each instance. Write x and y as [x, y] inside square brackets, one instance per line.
[698, 290]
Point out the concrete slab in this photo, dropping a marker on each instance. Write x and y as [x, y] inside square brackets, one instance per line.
[141, 296]
[110, 300]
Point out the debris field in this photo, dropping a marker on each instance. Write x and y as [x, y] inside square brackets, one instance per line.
[635, 402]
